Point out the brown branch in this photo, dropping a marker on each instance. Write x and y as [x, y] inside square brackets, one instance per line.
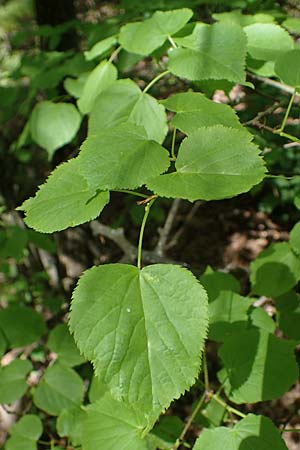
[165, 231]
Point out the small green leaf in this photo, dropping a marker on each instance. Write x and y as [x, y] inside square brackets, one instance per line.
[61, 342]
[65, 200]
[287, 68]
[113, 425]
[69, 424]
[13, 380]
[124, 102]
[144, 37]
[121, 158]
[21, 325]
[227, 315]
[25, 433]
[292, 24]
[275, 271]
[267, 41]
[74, 86]
[194, 110]
[124, 320]
[251, 433]
[257, 366]
[60, 388]
[212, 52]
[260, 318]
[100, 47]
[98, 80]
[212, 163]
[53, 125]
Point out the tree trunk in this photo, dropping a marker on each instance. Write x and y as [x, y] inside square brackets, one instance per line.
[57, 12]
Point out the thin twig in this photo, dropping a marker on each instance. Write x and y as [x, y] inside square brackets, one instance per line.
[282, 87]
[165, 231]
[188, 219]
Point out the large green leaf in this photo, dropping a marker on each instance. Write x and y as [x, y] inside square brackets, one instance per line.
[60, 388]
[21, 325]
[212, 163]
[212, 52]
[13, 380]
[251, 433]
[65, 200]
[53, 125]
[121, 158]
[143, 330]
[215, 282]
[25, 433]
[144, 37]
[243, 19]
[275, 271]
[287, 67]
[113, 425]
[98, 80]
[257, 366]
[194, 110]
[267, 41]
[288, 314]
[295, 238]
[228, 314]
[123, 102]
[62, 343]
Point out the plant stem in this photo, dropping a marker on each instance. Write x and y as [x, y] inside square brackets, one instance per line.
[288, 136]
[205, 373]
[290, 430]
[172, 42]
[161, 75]
[127, 191]
[190, 421]
[115, 53]
[229, 408]
[287, 113]
[173, 156]
[147, 210]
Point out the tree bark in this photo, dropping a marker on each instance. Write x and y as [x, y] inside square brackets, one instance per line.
[57, 12]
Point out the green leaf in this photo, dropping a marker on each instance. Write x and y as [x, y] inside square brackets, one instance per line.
[123, 102]
[74, 86]
[21, 325]
[194, 110]
[292, 24]
[227, 315]
[3, 343]
[144, 37]
[267, 41]
[213, 52]
[287, 67]
[61, 342]
[275, 271]
[53, 125]
[113, 425]
[121, 158]
[65, 200]
[168, 429]
[215, 282]
[257, 366]
[13, 241]
[13, 380]
[25, 433]
[251, 433]
[69, 424]
[260, 318]
[288, 314]
[295, 238]
[100, 47]
[124, 320]
[60, 388]
[212, 163]
[98, 80]
[243, 19]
